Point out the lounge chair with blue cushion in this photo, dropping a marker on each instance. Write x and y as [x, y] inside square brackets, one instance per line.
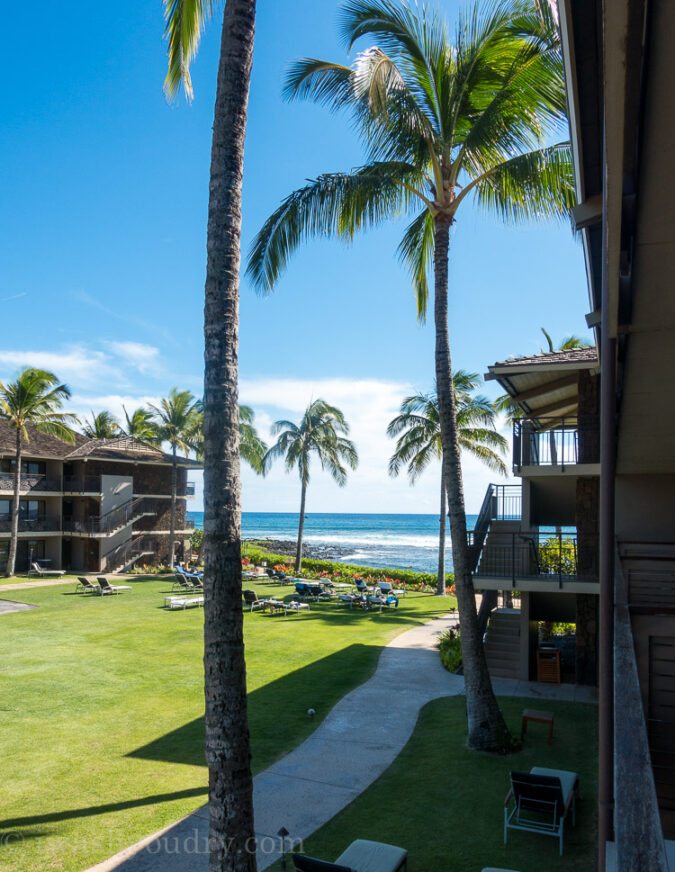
[361, 856]
[542, 798]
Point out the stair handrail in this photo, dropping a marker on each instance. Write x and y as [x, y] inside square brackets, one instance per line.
[120, 516]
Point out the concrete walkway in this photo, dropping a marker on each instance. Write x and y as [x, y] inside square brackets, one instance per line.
[354, 745]
[48, 582]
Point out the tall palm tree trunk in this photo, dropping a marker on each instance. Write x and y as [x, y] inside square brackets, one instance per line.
[228, 750]
[487, 730]
[172, 521]
[301, 527]
[440, 582]
[14, 536]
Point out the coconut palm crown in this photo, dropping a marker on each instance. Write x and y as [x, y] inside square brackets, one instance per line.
[102, 426]
[35, 400]
[321, 432]
[418, 429]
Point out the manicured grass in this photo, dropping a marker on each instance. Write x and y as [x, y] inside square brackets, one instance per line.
[102, 709]
[445, 803]
[22, 579]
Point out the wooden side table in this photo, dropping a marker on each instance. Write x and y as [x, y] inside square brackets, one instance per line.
[539, 717]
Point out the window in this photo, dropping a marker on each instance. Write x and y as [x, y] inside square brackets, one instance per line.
[31, 510]
[5, 510]
[28, 467]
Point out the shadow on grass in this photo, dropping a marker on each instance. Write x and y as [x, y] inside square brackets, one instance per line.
[319, 685]
[89, 811]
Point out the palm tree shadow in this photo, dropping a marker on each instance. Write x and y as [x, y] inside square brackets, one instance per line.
[318, 686]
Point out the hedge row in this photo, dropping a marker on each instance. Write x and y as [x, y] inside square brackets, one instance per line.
[257, 555]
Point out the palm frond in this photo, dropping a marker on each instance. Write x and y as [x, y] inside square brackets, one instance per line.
[185, 21]
[416, 251]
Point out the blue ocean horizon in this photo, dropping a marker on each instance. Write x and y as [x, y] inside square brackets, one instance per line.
[381, 540]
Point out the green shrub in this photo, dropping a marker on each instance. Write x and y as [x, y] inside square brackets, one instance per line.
[558, 556]
[450, 648]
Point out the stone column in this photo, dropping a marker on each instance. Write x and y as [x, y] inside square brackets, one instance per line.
[587, 570]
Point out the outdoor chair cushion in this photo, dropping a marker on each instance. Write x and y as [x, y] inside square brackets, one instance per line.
[366, 856]
[311, 864]
[567, 779]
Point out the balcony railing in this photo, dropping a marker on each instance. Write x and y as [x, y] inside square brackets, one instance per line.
[29, 482]
[82, 484]
[554, 442]
[519, 556]
[40, 524]
[188, 524]
[190, 489]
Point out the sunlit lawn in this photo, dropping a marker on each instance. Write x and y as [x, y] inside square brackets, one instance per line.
[445, 804]
[102, 702]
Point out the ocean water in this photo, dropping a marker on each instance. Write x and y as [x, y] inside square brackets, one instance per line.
[396, 541]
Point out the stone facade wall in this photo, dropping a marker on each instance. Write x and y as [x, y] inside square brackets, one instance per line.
[162, 519]
[148, 479]
[589, 417]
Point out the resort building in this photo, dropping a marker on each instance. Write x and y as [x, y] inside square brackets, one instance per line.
[540, 539]
[98, 505]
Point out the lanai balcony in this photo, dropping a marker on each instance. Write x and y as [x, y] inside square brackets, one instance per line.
[555, 444]
[30, 483]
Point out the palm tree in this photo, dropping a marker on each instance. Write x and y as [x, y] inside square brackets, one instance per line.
[102, 426]
[141, 426]
[320, 432]
[443, 123]
[34, 399]
[419, 440]
[175, 419]
[566, 344]
[228, 746]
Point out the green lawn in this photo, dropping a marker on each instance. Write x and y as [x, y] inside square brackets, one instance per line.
[102, 703]
[445, 803]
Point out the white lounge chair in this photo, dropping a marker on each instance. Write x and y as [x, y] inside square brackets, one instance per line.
[36, 569]
[387, 588]
[106, 587]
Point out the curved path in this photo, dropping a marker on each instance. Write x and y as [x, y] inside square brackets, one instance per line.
[354, 745]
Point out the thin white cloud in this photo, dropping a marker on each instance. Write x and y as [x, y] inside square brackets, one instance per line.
[83, 405]
[368, 405]
[144, 358]
[75, 364]
[14, 297]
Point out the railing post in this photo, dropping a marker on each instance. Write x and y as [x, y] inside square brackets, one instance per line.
[560, 559]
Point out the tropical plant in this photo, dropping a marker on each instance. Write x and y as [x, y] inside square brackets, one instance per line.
[565, 344]
[140, 425]
[443, 123]
[33, 400]
[322, 431]
[418, 428]
[102, 426]
[175, 419]
[228, 747]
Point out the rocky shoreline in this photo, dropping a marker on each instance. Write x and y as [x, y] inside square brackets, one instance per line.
[288, 547]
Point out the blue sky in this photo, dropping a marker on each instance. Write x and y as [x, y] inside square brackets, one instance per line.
[103, 218]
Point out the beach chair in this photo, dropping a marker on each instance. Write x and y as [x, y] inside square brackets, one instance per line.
[251, 599]
[387, 588]
[85, 586]
[182, 582]
[295, 607]
[361, 856]
[361, 586]
[36, 569]
[542, 799]
[106, 587]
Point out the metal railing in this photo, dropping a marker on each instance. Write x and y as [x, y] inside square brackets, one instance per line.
[112, 521]
[554, 442]
[518, 556]
[190, 489]
[29, 482]
[39, 524]
[126, 553]
[502, 502]
[82, 484]
[188, 524]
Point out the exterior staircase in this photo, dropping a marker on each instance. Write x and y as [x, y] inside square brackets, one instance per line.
[122, 558]
[502, 643]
